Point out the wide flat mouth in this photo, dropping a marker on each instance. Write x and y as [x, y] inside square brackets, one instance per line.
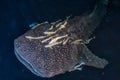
[27, 64]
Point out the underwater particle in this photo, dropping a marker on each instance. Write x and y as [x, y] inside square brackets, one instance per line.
[50, 49]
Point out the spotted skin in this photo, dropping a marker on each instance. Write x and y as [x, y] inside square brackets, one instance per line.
[57, 59]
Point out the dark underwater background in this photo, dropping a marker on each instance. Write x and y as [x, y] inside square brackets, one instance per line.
[17, 15]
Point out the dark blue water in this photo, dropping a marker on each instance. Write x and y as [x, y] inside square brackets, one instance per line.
[17, 15]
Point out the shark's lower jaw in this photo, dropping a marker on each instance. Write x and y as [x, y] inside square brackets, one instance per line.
[27, 64]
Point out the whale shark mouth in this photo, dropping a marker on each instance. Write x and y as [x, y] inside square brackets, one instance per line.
[27, 64]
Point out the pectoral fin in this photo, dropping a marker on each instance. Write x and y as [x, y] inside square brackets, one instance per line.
[93, 60]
